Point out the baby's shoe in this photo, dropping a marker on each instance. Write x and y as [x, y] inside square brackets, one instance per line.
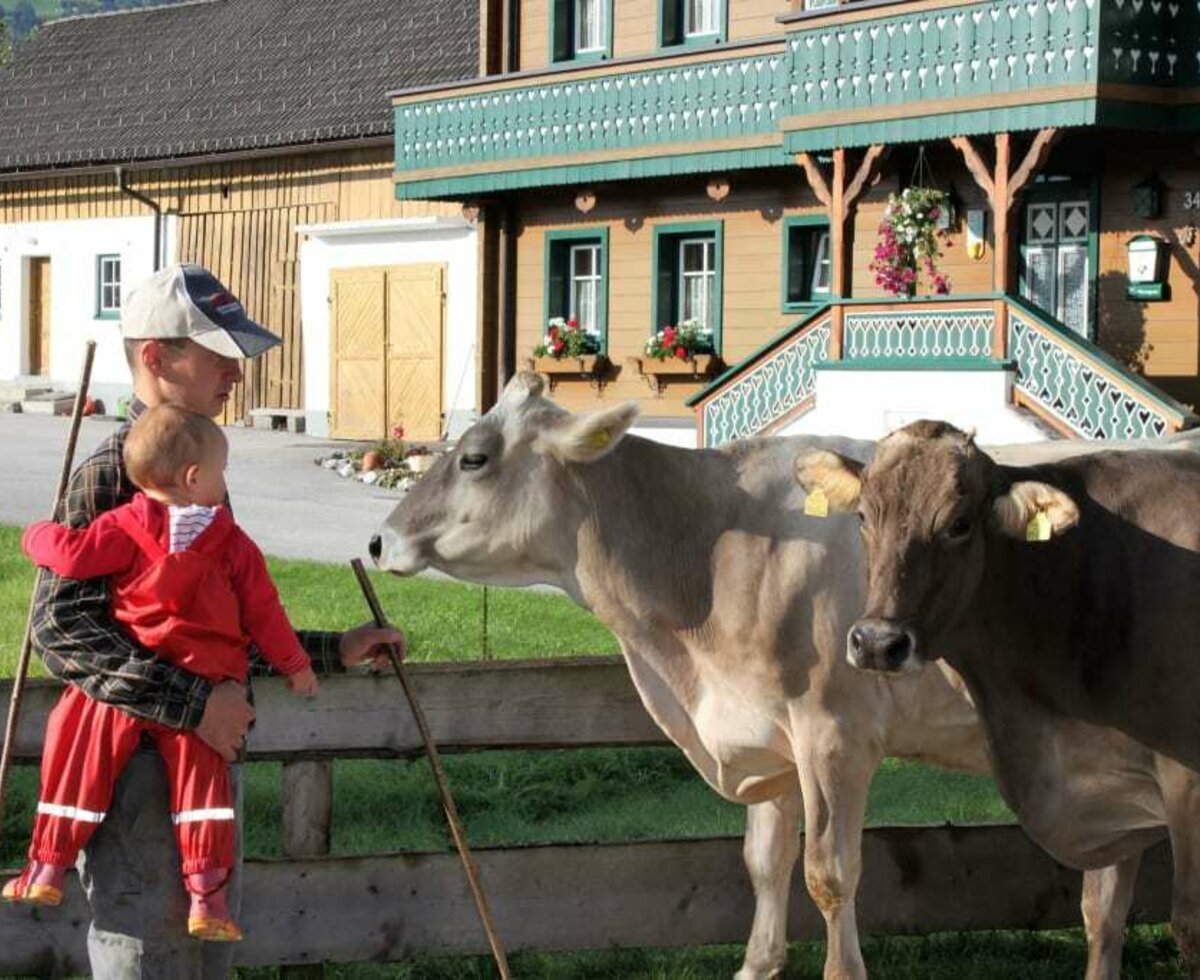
[208, 917]
[38, 884]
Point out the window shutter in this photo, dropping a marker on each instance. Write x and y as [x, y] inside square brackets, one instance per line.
[562, 41]
[664, 314]
[559, 280]
[672, 22]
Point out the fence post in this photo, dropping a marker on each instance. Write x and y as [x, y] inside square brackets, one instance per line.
[307, 821]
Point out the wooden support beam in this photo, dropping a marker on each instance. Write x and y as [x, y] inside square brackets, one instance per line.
[975, 164]
[1034, 158]
[1001, 246]
[816, 179]
[864, 173]
[837, 251]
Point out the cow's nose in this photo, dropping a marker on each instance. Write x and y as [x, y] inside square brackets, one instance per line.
[375, 548]
[880, 645]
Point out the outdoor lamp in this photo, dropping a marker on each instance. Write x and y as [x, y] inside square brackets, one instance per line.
[1147, 268]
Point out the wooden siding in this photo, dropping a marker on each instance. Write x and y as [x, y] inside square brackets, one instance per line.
[239, 219]
[635, 27]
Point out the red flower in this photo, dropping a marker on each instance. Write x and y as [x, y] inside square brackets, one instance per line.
[557, 347]
[681, 353]
[572, 323]
[397, 432]
[668, 336]
[554, 332]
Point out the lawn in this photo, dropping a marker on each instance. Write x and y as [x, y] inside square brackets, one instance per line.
[598, 795]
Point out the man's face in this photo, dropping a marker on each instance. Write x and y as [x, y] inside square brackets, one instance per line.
[191, 376]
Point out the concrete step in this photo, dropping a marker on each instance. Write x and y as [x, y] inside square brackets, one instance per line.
[278, 419]
[18, 391]
[49, 403]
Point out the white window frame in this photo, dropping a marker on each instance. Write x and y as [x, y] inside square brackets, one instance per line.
[109, 284]
[582, 43]
[575, 282]
[707, 272]
[822, 266]
[710, 12]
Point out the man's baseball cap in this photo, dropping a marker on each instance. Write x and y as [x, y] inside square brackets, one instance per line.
[188, 301]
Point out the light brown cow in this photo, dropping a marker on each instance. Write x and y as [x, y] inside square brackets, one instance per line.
[731, 609]
[1068, 597]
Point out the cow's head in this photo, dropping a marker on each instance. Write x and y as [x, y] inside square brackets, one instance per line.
[930, 502]
[502, 506]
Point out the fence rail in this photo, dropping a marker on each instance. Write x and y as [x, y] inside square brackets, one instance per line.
[306, 910]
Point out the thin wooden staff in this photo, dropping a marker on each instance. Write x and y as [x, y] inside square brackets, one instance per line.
[64, 476]
[439, 775]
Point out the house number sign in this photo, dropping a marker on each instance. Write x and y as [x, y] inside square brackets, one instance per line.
[1191, 200]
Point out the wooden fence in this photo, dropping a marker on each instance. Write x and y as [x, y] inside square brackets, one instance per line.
[309, 908]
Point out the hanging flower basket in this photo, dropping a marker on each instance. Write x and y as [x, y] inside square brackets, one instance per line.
[909, 245]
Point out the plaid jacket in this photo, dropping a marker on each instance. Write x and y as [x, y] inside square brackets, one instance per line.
[80, 643]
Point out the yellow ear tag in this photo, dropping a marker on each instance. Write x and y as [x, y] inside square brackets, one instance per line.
[1038, 529]
[599, 439]
[816, 504]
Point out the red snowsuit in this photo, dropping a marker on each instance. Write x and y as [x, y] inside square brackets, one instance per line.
[197, 608]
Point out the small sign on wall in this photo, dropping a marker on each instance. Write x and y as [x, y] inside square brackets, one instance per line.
[1147, 268]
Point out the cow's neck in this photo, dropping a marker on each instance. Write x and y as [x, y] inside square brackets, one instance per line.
[647, 535]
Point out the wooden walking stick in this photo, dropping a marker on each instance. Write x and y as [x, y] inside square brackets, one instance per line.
[435, 762]
[64, 476]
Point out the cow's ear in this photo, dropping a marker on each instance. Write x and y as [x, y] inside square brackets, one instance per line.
[585, 438]
[1032, 511]
[838, 478]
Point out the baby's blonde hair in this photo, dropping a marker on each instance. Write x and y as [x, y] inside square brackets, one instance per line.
[164, 440]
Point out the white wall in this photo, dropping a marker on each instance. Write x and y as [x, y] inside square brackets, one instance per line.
[870, 404]
[401, 241]
[72, 247]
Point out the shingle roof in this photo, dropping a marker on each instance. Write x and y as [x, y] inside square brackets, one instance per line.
[223, 75]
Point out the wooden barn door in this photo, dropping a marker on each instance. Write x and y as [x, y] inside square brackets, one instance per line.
[39, 316]
[415, 301]
[387, 327]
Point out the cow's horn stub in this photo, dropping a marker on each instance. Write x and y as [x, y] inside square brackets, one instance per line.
[524, 384]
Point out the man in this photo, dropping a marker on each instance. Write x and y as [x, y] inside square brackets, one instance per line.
[185, 337]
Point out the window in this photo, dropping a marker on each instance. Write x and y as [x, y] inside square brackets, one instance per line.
[1057, 252]
[581, 30]
[687, 277]
[682, 22]
[108, 285]
[577, 279]
[808, 271]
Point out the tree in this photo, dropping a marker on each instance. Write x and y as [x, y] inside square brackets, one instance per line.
[5, 47]
[23, 20]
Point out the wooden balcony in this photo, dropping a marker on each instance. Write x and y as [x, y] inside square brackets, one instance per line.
[850, 75]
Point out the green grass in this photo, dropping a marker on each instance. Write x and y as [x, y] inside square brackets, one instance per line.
[594, 795]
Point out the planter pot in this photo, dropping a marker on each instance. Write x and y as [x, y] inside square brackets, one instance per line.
[656, 372]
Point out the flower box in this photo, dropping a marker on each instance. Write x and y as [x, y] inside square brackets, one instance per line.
[589, 366]
[655, 370]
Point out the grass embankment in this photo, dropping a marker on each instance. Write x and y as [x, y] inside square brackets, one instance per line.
[576, 796]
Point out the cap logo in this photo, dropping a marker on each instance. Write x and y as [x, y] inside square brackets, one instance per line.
[224, 303]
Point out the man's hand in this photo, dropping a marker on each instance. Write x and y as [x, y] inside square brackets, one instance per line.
[371, 643]
[303, 682]
[227, 717]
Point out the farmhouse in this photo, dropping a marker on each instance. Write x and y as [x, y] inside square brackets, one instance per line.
[254, 138]
[727, 164]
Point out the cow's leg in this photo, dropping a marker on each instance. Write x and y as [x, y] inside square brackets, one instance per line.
[1107, 893]
[1181, 794]
[835, 773]
[771, 848]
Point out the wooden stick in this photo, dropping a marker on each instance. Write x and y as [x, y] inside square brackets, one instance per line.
[435, 762]
[64, 477]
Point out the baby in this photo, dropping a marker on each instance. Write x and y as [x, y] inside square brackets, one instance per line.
[188, 584]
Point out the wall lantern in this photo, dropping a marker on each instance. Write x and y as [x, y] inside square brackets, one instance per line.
[1147, 268]
[1147, 198]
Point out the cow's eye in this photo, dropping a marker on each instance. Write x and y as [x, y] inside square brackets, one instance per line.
[473, 461]
[959, 528]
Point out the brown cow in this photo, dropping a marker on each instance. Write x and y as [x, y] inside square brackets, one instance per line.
[1067, 595]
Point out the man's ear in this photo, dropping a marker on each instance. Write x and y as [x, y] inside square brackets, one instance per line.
[838, 478]
[586, 438]
[1013, 512]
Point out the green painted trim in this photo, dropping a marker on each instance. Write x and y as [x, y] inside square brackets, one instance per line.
[586, 57]
[683, 229]
[576, 235]
[719, 36]
[1069, 338]
[917, 128]
[919, 364]
[949, 299]
[664, 166]
[797, 221]
[734, 370]
[103, 313]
